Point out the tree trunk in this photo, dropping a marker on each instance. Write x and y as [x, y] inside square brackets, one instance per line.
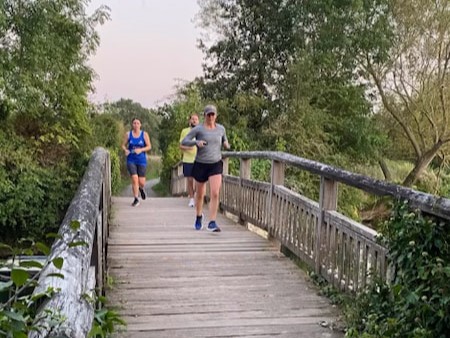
[385, 170]
[421, 164]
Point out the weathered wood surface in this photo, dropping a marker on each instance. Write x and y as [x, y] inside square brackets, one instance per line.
[80, 266]
[173, 281]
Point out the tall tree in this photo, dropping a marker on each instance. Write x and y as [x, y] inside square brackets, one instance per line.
[414, 83]
[253, 45]
[246, 60]
[44, 126]
[325, 80]
[44, 49]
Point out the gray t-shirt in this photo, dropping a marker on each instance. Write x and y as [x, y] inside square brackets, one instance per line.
[211, 153]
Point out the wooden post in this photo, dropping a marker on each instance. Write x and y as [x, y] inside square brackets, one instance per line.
[225, 165]
[173, 181]
[245, 168]
[327, 201]
[276, 178]
[244, 173]
[277, 173]
[223, 199]
[181, 181]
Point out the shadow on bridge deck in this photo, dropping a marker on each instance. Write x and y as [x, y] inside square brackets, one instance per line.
[173, 281]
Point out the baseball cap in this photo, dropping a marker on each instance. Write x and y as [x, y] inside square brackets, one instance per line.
[210, 109]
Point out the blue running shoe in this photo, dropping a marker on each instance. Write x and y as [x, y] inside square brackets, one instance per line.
[212, 226]
[198, 223]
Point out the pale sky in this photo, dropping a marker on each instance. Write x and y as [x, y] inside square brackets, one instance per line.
[146, 48]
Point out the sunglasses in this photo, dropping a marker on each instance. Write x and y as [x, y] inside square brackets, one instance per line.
[211, 114]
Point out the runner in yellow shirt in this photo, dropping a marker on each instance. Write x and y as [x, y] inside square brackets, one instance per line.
[189, 154]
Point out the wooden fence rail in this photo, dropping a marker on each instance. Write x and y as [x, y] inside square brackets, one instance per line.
[84, 265]
[338, 248]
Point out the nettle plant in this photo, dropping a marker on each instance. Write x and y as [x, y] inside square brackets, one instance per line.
[19, 304]
[415, 302]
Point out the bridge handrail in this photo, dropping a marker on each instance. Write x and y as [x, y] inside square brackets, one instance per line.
[338, 248]
[438, 206]
[84, 265]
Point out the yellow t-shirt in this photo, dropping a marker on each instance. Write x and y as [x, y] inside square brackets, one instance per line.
[188, 155]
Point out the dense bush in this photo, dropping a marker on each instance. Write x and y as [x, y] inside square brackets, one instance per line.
[416, 302]
[108, 131]
[33, 198]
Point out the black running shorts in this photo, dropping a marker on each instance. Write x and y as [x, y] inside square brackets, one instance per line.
[187, 169]
[136, 169]
[202, 171]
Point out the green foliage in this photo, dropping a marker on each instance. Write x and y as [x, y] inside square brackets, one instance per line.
[19, 304]
[32, 198]
[303, 182]
[45, 142]
[108, 132]
[326, 116]
[287, 72]
[125, 110]
[174, 118]
[115, 171]
[261, 170]
[416, 302]
[46, 45]
[256, 41]
[18, 310]
[414, 94]
[244, 115]
[106, 321]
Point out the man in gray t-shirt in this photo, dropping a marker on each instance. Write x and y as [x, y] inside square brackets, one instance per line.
[209, 138]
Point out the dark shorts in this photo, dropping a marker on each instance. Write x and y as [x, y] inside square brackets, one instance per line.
[187, 169]
[202, 171]
[136, 169]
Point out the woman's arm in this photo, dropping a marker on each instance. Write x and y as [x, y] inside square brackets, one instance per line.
[125, 143]
[182, 147]
[189, 139]
[225, 143]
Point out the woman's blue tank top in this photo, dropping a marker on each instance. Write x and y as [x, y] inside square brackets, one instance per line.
[133, 143]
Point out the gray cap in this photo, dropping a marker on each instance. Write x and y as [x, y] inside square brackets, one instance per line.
[210, 109]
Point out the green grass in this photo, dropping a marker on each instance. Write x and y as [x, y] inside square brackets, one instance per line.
[433, 181]
[154, 167]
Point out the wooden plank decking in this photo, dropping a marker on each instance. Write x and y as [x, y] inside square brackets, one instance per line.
[173, 281]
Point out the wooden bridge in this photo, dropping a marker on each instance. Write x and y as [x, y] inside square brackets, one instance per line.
[172, 281]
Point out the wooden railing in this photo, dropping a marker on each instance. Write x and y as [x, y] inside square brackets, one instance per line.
[338, 248]
[82, 245]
